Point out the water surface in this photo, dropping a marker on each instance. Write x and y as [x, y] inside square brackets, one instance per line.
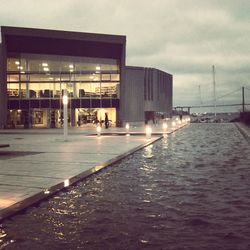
[190, 190]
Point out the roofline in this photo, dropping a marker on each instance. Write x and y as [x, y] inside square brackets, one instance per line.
[142, 68]
[135, 67]
[71, 35]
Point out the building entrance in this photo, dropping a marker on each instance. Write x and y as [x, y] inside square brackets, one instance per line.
[91, 116]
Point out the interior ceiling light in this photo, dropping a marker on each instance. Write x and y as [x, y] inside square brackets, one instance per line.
[98, 68]
[22, 72]
[71, 66]
[19, 67]
[71, 70]
[17, 62]
[45, 64]
[46, 69]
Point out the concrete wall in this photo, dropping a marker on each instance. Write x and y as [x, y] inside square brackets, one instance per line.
[159, 91]
[169, 89]
[121, 91]
[132, 97]
[145, 89]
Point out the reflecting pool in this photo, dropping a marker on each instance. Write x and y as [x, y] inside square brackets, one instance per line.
[190, 190]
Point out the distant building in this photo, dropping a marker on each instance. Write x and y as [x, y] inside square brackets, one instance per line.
[147, 95]
[36, 65]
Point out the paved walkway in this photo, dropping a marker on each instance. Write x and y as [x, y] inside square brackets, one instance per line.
[39, 163]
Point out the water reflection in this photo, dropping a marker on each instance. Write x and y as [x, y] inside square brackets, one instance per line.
[187, 191]
[148, 152]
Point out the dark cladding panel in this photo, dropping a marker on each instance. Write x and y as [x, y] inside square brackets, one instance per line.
[115, 103]
[55, 104]
[85, 103]
[13, 104]
[106, 103]
[34, 104]
[75, 103]
[96, 103]
[24, 104]
[41, 45]
[45, 103]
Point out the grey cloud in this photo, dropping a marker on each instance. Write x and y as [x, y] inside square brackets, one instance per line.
[184, 38]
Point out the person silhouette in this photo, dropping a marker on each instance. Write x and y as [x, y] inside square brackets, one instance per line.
[106, 121]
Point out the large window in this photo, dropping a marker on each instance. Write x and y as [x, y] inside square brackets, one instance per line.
[44, 76]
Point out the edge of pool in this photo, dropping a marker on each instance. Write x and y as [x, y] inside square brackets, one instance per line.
[244, 130]
[44, 194]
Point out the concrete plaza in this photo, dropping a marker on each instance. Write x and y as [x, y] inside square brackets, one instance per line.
[39, 162]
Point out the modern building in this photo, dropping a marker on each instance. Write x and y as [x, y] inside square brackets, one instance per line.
[36, 65]
[147, 95]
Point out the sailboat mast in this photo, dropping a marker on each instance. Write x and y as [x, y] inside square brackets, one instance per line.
[200, 95]
[214, 91]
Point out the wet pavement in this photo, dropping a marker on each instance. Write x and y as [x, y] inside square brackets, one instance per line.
[189, 190]
[39, 162]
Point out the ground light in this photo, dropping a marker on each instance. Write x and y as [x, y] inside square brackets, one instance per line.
[46, 191]
[65, 114]
[127, 129]
[173, 124]
[66, 183]
[98, 130]
[148, 132]
[164, 126]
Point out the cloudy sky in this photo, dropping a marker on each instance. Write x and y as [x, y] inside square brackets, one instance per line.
[182, 37]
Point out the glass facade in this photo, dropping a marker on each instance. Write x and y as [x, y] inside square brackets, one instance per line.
[93, 83]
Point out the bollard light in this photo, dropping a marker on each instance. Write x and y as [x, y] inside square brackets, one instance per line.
[148, 132]
[127, 126]
[46, 191]
[127, 129]
[98, 130]
[164, 126]
[66, 183]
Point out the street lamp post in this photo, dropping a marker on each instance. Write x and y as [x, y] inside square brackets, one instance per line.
[65, 114]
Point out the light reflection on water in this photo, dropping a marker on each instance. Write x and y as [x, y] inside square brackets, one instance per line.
[188, 191]
[148, 151]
